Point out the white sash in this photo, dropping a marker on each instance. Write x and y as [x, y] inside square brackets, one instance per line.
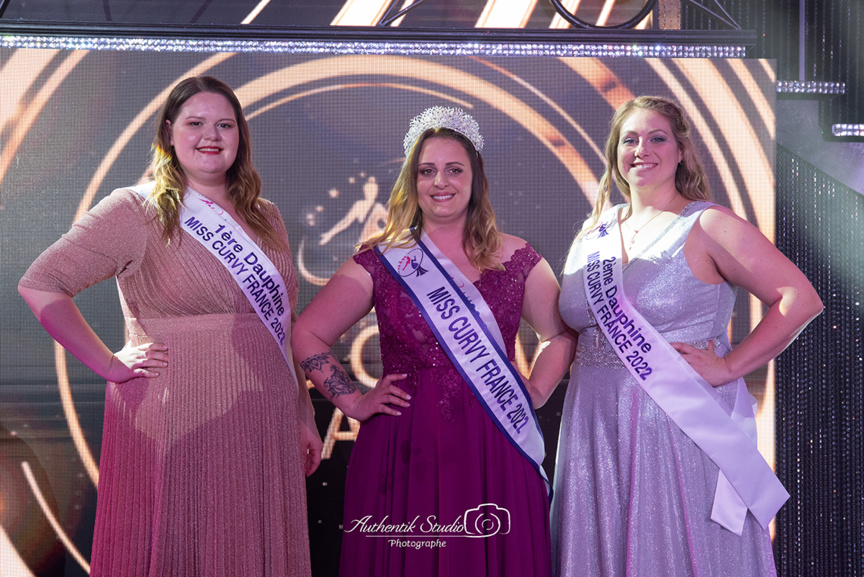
[467, 331]
[745, 481]
[250, 268]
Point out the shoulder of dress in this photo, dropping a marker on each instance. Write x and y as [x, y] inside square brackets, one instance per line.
[512, 245]
[137, 192]
[366, 257]
[716, 218]
[698, 210]
[524, 257]
[268, 209]
[369, 262]
[271, 211]
[124, 199]
[265, 204]
[700, 206]
[124, 210]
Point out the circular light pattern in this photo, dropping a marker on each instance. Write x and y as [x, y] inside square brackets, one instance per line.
[507, 91]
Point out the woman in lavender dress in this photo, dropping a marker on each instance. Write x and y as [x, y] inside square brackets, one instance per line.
[634, 494]
[429, 460]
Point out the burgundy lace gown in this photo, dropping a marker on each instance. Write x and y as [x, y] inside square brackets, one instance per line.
[442, 457]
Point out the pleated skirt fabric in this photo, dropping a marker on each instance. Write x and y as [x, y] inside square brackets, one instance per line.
[200, 468]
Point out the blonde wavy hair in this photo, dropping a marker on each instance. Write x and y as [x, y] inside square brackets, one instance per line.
[690, 179]
[244, 184]
[481, 239]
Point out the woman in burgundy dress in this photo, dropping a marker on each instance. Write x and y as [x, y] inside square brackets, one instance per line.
[438, 484]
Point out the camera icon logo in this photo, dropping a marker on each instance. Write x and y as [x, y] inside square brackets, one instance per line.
[486, 520]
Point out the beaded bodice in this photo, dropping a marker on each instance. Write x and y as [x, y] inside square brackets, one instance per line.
[408, 344]
[660, 285]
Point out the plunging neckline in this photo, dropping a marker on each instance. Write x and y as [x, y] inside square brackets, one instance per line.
[637, 255]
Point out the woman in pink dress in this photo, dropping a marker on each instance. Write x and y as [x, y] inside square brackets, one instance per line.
[438, 483]
[207, 432]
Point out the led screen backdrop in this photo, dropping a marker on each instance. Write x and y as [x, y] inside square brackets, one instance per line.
[327, 136]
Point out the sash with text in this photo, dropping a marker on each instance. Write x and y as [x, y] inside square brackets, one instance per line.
[467, 331]
[250, 268]
[745, 481]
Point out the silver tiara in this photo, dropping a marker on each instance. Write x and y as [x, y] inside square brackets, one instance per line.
[455, 119]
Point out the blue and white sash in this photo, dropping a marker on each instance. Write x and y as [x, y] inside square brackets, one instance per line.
[254, 273]
[745, 481]
[467, 331]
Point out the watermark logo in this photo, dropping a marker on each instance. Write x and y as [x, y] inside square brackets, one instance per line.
[481, 522]
[487, 520]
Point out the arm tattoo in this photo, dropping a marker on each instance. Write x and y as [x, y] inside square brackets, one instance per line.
[338, 383]
[316, 362]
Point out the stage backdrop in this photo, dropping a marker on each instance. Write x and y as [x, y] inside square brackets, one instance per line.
[327, 136]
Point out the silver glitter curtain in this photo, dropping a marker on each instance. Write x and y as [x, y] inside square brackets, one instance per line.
[833, 44]
[820, 379]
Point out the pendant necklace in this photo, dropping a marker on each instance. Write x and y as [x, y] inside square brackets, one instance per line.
[636, 230]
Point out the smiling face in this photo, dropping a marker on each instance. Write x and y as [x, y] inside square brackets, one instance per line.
[444, 180]
[648, 154]
[205, 138]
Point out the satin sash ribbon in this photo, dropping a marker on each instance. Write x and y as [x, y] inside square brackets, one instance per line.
[251, 269]
[466, 329]
[745, 481]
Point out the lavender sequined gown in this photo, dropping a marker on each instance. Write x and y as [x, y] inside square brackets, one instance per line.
[443, 456]
[633, 494]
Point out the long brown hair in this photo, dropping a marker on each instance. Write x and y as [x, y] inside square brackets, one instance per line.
[243, 182]
[690, 179]
[481, 239]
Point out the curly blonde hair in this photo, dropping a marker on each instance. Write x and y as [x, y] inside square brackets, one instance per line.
[244, 184]
[690, 179]
[481, 239]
